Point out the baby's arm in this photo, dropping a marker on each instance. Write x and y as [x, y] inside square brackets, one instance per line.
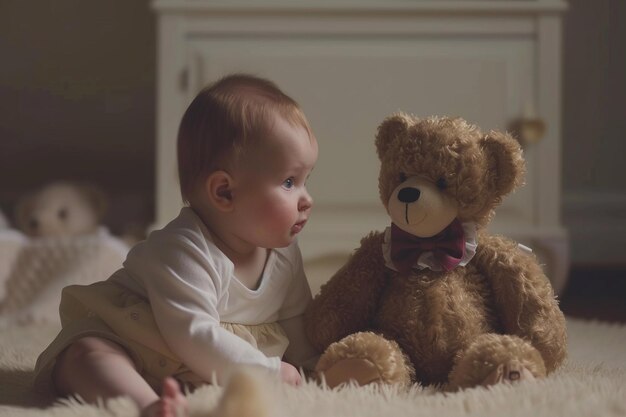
[183, 287]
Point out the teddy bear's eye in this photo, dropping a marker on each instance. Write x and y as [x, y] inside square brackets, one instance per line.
[62, 214]
[33, 224]
[402, 177]
[442, 184]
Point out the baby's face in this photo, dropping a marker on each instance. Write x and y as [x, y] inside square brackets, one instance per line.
[271, 201]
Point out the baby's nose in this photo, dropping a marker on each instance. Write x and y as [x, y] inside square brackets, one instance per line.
[306, 202]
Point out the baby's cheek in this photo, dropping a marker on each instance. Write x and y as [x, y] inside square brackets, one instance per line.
[273, 210]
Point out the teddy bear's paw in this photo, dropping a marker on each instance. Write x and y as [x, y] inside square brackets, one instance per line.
[361, 371]
[509, 372]
[494, 358]
[365, 358]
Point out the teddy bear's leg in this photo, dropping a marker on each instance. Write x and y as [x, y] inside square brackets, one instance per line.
[495, 358]
[365, 358]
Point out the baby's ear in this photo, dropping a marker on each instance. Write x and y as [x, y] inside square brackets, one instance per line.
[218, 189]
[505, 162]
[390, 129]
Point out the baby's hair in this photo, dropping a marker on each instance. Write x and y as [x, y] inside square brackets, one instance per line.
[223, 119]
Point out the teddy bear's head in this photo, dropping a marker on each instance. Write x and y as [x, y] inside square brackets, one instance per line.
[60, 209]
[438, 169]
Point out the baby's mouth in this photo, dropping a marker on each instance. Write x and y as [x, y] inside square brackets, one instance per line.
[296, 228]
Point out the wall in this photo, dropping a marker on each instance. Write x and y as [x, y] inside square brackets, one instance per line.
[594, 125]
[77, 101]
[77, 93]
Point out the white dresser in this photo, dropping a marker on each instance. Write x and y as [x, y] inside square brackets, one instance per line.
[350, 63]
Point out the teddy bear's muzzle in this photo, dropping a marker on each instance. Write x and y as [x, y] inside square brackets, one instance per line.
[409, 194]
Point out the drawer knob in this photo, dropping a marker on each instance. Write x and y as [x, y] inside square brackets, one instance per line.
[529, 128]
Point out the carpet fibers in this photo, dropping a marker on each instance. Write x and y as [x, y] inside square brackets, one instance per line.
[591, 383]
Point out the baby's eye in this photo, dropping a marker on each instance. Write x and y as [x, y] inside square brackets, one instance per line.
[62, 214]
[289, 183]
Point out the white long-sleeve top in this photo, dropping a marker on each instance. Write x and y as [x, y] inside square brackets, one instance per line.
[191, 287]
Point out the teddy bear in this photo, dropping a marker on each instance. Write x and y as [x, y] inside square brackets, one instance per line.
[61, 209]
[436, 299]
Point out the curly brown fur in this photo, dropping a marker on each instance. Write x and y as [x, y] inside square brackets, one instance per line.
[523, 296]
[348, 301]
[439, 318]
[483, 356]
[473, 164]
[386, 356]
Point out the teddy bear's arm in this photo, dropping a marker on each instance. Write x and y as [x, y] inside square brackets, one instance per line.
[347, 302]
[523, 297]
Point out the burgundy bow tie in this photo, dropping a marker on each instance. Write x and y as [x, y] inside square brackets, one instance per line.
[448, 247]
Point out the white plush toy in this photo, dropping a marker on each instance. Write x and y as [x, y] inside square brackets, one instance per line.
[60, 243]
[61, 208]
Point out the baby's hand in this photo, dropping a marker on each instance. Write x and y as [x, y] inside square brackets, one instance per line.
[289, 374]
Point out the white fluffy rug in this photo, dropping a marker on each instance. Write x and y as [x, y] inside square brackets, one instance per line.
[592, 383]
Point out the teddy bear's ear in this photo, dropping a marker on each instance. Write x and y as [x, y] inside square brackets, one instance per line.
[505, 160]
[96, 198]
[392, 127]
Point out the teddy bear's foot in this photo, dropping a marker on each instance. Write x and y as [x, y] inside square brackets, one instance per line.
[512, 371]
[361, 371]
[364, 358]
[494, 358]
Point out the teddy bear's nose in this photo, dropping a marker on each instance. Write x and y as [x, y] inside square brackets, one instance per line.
[409, 195]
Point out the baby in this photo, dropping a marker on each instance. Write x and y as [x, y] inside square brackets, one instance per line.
[221, 285]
